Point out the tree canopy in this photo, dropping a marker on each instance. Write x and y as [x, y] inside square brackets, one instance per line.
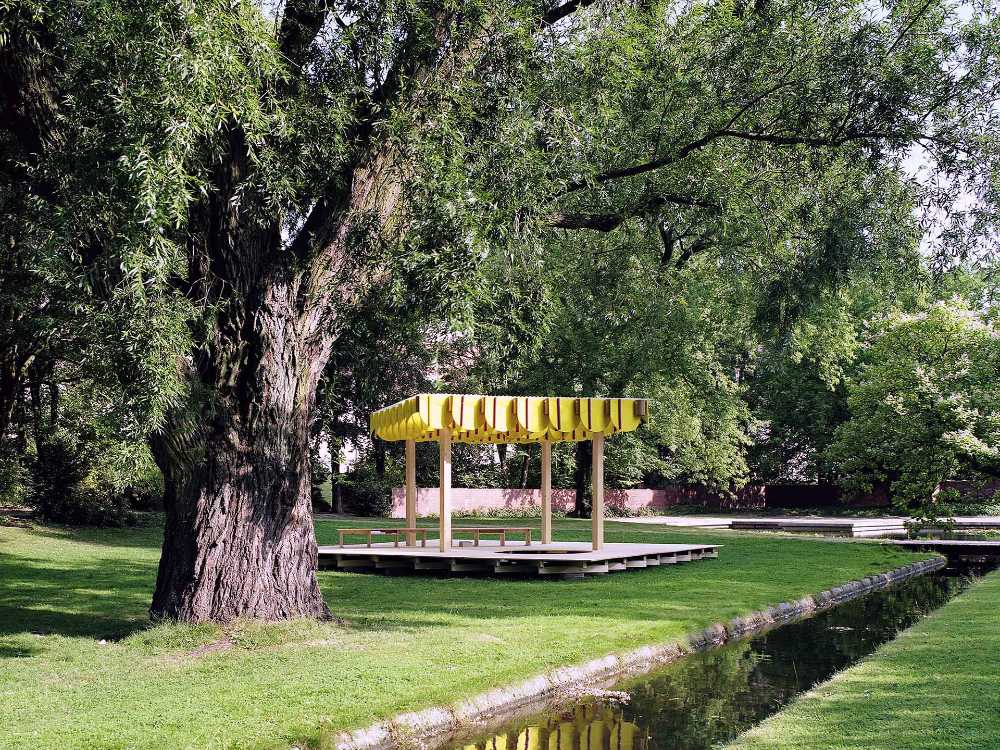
[925, 406]
[207, 199]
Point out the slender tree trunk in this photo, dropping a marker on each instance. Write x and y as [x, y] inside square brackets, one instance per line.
[581, 478]
[337, 491]
[11, 388]
[35, 395]
[53, 403]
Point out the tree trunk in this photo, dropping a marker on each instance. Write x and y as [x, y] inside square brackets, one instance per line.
[239, 538]
[337, 491]
[10, 392]
[581, 478]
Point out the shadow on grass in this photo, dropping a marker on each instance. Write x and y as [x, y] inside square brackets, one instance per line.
[101, 598]
[12, 650]
[80, 592]
[135, 537]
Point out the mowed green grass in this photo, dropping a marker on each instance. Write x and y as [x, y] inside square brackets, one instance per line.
[936, 687]
[80, 667]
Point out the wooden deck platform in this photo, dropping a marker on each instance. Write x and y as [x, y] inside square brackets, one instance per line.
[559, 559]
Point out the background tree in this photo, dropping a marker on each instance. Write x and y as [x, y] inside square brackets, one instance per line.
[925, 406]
[797, 381]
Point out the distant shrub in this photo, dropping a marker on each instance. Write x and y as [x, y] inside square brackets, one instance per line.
[500, 513]
[14, 481]
[76, 483]
[366, 493]
[57, 480]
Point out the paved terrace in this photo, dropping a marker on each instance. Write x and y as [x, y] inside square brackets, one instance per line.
[888, 526]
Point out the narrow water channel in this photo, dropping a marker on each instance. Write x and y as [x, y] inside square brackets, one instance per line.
[706, 699]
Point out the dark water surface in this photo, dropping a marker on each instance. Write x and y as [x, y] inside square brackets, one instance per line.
[705, 699]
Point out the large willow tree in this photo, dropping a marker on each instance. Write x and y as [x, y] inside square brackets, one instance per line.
[221, 186]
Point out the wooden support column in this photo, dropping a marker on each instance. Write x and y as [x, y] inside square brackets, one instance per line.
[444, 505]
[546, 492]
[411, 491]
[597, 507]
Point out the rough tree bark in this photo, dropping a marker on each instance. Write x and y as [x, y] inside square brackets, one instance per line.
[11, 385]
[239, 539]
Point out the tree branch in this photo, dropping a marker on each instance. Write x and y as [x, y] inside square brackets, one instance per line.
[909, 25]
[772, 138]
[605, 222]
[300, 24]
[559, 12]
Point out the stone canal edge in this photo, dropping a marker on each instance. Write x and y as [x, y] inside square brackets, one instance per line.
[497, 707]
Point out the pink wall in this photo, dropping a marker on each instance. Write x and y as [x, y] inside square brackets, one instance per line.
[751, 497]
[464, 499]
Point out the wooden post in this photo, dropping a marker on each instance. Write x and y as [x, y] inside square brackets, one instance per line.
[546, 492]
[411, 492]
[444, 506]
[597, 506]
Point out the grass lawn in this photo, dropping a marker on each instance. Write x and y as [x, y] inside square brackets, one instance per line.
[80, 668]
[936, 687]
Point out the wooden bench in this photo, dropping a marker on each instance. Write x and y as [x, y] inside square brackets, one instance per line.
[501, 531]
[394, 532]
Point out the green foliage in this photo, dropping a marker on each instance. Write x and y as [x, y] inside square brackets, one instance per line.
[85, 467]
[601, 316]
[70, 484]
[14, 479]
[797, 382]
[56, 480]
[924, 405]
[637, 199]
[366, 493]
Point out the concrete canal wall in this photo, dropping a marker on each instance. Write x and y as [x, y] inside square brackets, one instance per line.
[497, 707]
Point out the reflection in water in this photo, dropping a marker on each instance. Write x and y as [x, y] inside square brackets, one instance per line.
[709, 698]
[587, 726]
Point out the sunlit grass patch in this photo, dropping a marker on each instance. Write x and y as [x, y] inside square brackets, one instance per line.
[82, 667]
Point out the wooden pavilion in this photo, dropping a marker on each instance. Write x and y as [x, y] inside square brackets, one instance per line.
[457, 418]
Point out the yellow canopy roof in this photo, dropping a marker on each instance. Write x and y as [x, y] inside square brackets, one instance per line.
[506, 419]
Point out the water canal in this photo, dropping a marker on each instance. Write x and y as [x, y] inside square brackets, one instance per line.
[708, 698]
